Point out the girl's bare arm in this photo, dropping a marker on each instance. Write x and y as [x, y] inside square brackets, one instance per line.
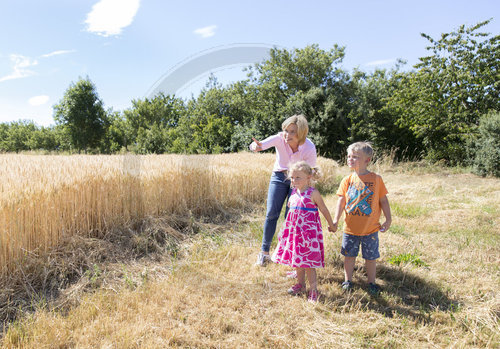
[318, 200]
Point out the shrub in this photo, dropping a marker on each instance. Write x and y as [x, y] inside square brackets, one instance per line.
[486, 152]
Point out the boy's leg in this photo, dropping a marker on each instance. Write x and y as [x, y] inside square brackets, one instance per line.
[349, 263]
[350, 250]
[371, 253]
[371, 270]
[311, 276]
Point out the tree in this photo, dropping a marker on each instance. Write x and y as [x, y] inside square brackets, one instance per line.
[371, 120]
[149, 120]
[15, 135]
[215, 113]
[302, 81]
[298, 69]
[442, 101]
[81, 115]
[326, 110]
[151, 140]
[115, 138]
[163, 110]
[43, 138]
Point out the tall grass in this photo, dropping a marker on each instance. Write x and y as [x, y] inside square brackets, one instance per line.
[44, 198]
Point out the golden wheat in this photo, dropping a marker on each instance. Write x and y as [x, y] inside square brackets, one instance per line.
[45, 198]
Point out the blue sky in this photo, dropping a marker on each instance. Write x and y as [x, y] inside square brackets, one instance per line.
[126, 46]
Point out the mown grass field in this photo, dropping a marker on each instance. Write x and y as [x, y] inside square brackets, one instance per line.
[439, 271]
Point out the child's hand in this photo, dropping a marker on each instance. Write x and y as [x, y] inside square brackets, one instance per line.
[385, 226]
[333, 228]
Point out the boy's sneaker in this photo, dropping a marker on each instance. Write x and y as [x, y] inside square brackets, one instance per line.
[374, 289]
[263, 259]
[347, 285]
[296, 289]
[313, 296]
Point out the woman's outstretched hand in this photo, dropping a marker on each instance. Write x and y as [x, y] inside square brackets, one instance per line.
[256, 145]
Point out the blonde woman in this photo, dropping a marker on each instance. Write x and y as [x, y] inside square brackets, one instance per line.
[291, 145]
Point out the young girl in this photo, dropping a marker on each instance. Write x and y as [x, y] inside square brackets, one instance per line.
[300, 244]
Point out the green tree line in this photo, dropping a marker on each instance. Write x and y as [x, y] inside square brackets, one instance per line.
[445, 108]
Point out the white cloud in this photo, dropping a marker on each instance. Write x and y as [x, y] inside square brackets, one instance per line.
[206, 32]
[380, 62]
[20, 67]
[109, 17]
[38, 100]
[56, 53]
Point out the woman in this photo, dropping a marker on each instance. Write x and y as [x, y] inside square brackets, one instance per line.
[291, 146]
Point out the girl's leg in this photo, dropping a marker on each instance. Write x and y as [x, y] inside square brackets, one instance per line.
[313, 290]
[300, 286]
[311, 276]
[301, 276]
[349, 263]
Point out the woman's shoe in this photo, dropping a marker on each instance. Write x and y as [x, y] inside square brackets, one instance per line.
[263, 259]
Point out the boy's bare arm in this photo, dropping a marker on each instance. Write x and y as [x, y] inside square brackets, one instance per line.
[338, 212]
[318, 200]
[386, 209]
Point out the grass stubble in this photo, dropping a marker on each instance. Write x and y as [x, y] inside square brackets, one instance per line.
[202, 289]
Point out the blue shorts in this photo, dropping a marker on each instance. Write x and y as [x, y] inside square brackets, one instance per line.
[369, 243]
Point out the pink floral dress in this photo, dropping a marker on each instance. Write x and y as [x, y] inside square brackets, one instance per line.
[300, 242]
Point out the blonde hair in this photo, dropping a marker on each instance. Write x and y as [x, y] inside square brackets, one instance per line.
[308, 170]
[302, 126]
[365, 147]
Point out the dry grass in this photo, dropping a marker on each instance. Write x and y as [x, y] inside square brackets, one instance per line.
[211, 296]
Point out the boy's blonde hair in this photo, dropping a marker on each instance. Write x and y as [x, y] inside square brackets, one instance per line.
[302, 126]
[365, 147]
[304, 167]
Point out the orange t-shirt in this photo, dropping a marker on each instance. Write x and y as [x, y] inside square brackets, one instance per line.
[362, 208]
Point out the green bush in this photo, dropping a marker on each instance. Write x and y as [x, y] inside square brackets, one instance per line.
[486, 159]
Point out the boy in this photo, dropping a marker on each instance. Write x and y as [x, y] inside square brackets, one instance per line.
[362, 195]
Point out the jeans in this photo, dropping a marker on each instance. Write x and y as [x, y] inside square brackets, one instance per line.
[279, 191]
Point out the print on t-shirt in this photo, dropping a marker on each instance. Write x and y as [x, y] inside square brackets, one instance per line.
[359, 198]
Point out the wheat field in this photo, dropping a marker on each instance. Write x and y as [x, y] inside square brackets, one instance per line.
[45, 198]
[439, 270]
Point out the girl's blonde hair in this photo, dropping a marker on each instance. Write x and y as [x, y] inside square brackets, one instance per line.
[308, 170]
[302, 126]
